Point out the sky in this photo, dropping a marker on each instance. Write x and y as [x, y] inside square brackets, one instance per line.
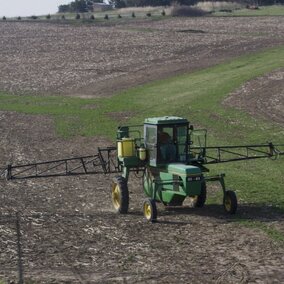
[15, 8]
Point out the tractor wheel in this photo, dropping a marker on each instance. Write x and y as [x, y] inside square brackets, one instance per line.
[199, 200]
[120, 195]
[230, 202]
[150, 210]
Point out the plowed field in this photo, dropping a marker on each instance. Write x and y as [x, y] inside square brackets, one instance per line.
[69, 232]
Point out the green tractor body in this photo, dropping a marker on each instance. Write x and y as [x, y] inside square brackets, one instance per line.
[173, 183]
[167, 177]
[172, 157]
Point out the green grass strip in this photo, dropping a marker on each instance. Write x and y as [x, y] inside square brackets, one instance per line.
[196, 96]
[273, 10]
[271, 232]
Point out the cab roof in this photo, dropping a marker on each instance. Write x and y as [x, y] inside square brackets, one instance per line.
[165, 120]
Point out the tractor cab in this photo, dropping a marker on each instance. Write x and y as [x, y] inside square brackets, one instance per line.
[166, 140]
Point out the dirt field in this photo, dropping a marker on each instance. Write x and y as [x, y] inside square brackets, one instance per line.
[261, 97]
[98, 60]
[69, 231]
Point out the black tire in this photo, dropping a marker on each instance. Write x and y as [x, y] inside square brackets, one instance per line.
[150, 210]
[230, 202]
[201, 198]
[120, 195]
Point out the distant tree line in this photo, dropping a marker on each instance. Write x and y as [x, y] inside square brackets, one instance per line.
[262, 2]
[81, 6]
[78, 6]
[141, 3]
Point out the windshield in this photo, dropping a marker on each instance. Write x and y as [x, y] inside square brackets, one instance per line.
[172, 141]
[182, 143]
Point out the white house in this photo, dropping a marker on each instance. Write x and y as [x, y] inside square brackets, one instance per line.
[100, 7]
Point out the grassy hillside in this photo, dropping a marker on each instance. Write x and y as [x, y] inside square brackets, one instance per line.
[196, 96]
[275, 10]
[218, 8]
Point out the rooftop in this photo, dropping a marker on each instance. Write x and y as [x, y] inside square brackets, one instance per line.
[165, 120]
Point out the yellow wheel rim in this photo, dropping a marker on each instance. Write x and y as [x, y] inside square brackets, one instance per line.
[228, 203]
[116, 196]
[147, 211]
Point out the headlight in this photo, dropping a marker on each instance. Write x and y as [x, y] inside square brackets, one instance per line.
[194, 178]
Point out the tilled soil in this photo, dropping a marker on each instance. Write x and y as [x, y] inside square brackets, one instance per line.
[69, 232]
[92, 60]
[64, 230]
[261, 97]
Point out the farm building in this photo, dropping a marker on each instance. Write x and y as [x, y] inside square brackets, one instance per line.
[100, 7]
